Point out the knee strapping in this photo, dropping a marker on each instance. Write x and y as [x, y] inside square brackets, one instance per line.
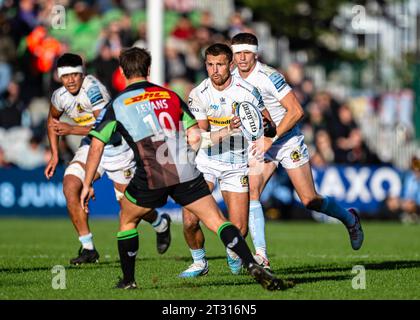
[75, 169]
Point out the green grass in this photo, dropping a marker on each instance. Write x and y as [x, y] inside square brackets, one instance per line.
[317, 257]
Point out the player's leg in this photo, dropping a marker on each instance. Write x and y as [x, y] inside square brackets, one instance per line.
[207, 211]
[128, 241]
[194, 237]
[121, 173]
[72, 186]
[259, 174]
[235, 191]
[196, 197]
[301, 178]
[161, 223]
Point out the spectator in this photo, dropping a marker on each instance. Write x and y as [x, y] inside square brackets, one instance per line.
[183, 30]
[105, 65]
[11, 107]
[410, 202]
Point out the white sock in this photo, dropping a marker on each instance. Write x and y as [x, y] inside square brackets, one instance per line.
[87, 241]
[160, 225]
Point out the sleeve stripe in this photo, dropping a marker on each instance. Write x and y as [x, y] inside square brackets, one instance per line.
[98, 136]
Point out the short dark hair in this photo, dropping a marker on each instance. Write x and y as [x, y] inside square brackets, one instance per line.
[245, 38]
[135, 62]
[69, 60]
[218, 49]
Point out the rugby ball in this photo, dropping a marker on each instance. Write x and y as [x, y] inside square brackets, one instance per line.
[251, 120]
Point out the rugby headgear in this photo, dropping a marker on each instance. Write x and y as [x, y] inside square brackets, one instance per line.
[69, 63]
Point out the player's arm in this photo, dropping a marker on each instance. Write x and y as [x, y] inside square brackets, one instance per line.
[53, 115]
[96, 150]
[101, 134]
[293, 115]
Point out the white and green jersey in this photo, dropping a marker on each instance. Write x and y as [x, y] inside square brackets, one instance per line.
[272, 86]
[207, 103]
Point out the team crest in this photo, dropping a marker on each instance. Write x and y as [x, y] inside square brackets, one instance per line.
[79, 108]
[295, 155]
[127, 174]
[234, 106]
[244, 181]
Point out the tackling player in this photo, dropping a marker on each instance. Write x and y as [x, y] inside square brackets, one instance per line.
[156, 122]
[82, 98]
[286, 148]
[212, 103]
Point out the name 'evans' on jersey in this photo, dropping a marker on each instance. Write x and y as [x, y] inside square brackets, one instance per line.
[207, 103]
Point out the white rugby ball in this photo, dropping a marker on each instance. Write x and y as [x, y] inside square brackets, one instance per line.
[251, 120]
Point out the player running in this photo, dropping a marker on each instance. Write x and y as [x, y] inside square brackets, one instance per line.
[212, 103]
[286, 148]
[82, 98]
[154, 121]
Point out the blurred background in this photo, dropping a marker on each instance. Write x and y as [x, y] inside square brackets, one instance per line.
[354, 66]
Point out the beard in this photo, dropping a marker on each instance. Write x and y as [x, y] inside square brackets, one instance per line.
[220, 80]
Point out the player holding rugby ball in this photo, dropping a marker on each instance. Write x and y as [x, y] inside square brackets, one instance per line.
[223, 155]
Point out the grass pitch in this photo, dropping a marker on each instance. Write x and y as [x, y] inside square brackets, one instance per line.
[317, 257]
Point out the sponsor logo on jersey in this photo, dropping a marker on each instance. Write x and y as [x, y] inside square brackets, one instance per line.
[214, 106]
[244, 181]
[295, 155]
[94, 94]
[219, 122]
[148, 96]
[85, 120]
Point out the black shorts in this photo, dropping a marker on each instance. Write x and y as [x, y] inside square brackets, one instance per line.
[183, 193]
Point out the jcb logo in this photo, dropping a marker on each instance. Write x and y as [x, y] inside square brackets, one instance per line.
[148, 96]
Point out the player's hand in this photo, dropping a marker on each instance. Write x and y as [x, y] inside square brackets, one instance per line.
[234, 124]
[86, 194]
[50, 168]
[61, 128]
[260, 147]
[270, 129]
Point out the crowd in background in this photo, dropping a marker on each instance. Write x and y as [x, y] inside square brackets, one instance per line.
[29, 48]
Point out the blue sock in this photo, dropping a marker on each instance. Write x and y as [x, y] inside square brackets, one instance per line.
[257, 225]
[198, 255]
[331, 208]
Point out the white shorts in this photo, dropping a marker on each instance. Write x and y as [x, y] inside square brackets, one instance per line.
[120, 169]
[231, 177]
[290, 151]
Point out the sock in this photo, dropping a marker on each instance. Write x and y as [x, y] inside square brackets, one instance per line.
[331, 208]
[160, 225]
[128, 244]
[232, 254]
[198, 255]
[232, 239]
[257, 227]
[87, 241]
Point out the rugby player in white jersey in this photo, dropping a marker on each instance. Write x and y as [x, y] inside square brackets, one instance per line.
[212, 103]
[82, 98]
[287, 148]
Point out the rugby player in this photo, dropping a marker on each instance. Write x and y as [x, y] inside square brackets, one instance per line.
[212, 103]
[82, 98]
[286, 148]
